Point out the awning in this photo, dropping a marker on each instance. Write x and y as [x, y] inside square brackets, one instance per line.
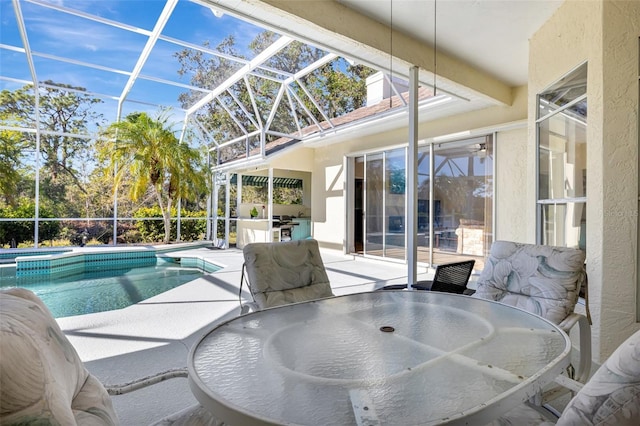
[278, 182]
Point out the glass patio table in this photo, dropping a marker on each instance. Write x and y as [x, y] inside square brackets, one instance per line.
[385, 357]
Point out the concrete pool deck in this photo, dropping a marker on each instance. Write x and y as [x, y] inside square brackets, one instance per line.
[157, 334]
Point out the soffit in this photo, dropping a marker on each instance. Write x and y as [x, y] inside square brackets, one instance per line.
[492, 35]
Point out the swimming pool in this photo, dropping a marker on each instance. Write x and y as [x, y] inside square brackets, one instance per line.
[91, 292]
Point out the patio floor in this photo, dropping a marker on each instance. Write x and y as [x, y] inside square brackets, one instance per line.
[157, 334]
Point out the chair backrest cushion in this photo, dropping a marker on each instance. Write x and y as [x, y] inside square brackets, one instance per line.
[612, 395]
[286, 272]
[42, 379]
[544, 280]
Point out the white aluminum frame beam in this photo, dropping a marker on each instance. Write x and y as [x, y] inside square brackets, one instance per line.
[412, 180]
[267, 53]
[36, 90]
[146, 51]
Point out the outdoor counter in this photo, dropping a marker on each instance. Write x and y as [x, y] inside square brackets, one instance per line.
[254, 231]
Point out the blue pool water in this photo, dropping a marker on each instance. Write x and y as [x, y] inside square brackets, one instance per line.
[106, 290]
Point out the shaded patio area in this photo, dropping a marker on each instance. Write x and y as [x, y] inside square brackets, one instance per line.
[157, 334]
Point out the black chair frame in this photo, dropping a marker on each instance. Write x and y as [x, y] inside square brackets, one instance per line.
[449, 278]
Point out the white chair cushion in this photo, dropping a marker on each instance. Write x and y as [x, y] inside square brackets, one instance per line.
[42, 379]
[286, 272]
[612, 395]
[544, 280]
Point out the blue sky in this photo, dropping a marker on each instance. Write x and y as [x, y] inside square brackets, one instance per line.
[52, 32]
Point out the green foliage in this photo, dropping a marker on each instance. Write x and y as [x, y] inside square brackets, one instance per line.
[287, 195]
[220, 224]
[23, 230]
[157, 168]
[142, 155]
[252, 194]
[192, 230]
[101, 231]
[152, 230]
[260, 194]
[131, 236]
[48, 229]
[63, 111]
[11, 146]
[254, 212]
[145, 152]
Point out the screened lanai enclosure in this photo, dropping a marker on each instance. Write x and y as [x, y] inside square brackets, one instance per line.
[87, 87]
[217, 82]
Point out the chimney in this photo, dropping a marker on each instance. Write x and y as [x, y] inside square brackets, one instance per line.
[378, 88]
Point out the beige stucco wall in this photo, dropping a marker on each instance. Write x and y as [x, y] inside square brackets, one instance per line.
[301, 159]
[605, 34]
[328, 212]
[510, 182]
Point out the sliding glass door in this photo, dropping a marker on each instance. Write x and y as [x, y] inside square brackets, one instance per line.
[463, 199]
[384, 201]
[454, 210]
[394, 203]
[374, 218]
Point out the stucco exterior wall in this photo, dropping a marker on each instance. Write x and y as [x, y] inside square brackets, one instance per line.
[620, 171]
[329, 214]
[300, 159]
[604, 34]
[510, 181]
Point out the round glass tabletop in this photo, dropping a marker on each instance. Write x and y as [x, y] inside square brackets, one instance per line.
[386, 357]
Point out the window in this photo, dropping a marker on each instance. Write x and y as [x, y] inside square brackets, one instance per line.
[562, 161]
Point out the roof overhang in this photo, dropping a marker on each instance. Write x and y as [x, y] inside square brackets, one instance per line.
[331, 25]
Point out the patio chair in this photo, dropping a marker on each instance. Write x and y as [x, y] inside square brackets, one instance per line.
[283, 272]
[43, 380]
[544, 280]
[448, 278]
[610, 398]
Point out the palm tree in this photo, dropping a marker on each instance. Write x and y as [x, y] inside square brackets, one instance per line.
[146, 151]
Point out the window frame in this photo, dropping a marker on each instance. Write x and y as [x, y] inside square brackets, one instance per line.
[542, 203]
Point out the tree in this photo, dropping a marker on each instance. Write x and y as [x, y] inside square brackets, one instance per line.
[147, 153]
[11, 146]
[66, 117]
